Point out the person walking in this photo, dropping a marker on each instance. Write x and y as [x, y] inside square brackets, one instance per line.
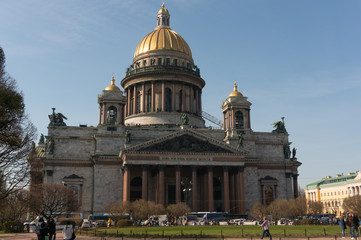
[343, 226]
[354, 226]
[265, 227]
[41, 229]
[52, 229]
[68, 232]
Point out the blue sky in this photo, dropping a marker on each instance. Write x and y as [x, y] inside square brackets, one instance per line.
[300, 59]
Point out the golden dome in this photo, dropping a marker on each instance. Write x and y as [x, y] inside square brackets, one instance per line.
[163, 38]
[112, 86]
[235, 93]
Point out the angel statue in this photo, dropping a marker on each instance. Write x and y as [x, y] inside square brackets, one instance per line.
[280, 126]
[57, 119]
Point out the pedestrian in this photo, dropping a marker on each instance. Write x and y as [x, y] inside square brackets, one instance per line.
[354, 226]
[343, 226]
[265, 227]
[52, 229]
[68, 231]
[41, 229]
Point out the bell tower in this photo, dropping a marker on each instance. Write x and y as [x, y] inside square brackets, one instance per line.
[236, 114]
[111, 105]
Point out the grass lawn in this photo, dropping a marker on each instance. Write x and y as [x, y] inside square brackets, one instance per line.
[217, 231]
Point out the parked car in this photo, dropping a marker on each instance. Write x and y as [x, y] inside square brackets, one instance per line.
[250, 222]
[86, 224]
[237, 221]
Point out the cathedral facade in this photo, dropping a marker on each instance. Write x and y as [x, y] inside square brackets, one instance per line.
[151, 142]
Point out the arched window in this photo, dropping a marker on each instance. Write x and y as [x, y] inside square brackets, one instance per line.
[180, 100]
[112, 115]
[136, 188]
[149, 100]
[168, 100]
[239, 120]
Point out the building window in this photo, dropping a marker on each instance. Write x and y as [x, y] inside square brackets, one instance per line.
[144, 63]
[136, 189]
[167, 61]
[180, 100]
[112, 115]
[175, 62]
[239, 120]
[168, 100]
[268, 195]
[159, 61]
[149, 100]
[138, 101]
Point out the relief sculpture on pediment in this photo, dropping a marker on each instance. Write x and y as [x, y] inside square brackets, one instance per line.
[185, 143]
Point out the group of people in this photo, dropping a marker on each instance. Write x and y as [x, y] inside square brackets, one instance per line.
[47, 231]
[351, 221]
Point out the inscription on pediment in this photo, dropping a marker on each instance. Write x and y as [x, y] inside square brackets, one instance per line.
[185, 143]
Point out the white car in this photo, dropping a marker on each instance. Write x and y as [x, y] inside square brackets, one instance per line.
[250, 222]
[86, 224]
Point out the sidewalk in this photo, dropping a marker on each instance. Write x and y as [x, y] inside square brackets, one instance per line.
[59, 236]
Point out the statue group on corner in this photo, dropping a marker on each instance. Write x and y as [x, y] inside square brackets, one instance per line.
[280, 126]
[57, 119]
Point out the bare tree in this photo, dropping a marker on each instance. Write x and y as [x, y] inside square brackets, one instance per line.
[138, 209]
[118, 209]
[258, 210]
[278, 209]
[14, 207]
[16, 135]
[352, 204]
[314, 207]
[297, 207]
[53, 199]
[178, 209]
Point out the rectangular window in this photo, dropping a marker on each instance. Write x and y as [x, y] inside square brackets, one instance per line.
[144, 63]
[167, 62]
[159, 61]
[175, 62]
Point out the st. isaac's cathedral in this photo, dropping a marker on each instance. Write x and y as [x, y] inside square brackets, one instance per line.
[151, 142]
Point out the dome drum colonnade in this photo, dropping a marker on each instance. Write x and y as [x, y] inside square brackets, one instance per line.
[163, 81]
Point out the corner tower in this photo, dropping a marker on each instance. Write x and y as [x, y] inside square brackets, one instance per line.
[163, 82]
[236, 114]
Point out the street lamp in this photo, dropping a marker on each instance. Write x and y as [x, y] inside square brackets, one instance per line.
[186, 188]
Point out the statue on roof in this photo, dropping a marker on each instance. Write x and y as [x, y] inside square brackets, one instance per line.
[280, 126]
[42, 139]
[240, 140]
[286, 151]
[294, 152]
[184, 119]
[57, 119]
[127, 137]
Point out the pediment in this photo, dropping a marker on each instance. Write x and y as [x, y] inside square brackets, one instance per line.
[185, 141]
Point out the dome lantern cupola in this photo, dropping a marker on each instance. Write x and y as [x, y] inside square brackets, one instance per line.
[163, 17]
[112, 85]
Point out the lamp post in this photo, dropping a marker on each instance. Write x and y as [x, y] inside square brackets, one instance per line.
[186, 184]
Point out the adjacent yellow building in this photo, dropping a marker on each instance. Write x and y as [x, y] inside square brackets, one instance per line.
[331, 191]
